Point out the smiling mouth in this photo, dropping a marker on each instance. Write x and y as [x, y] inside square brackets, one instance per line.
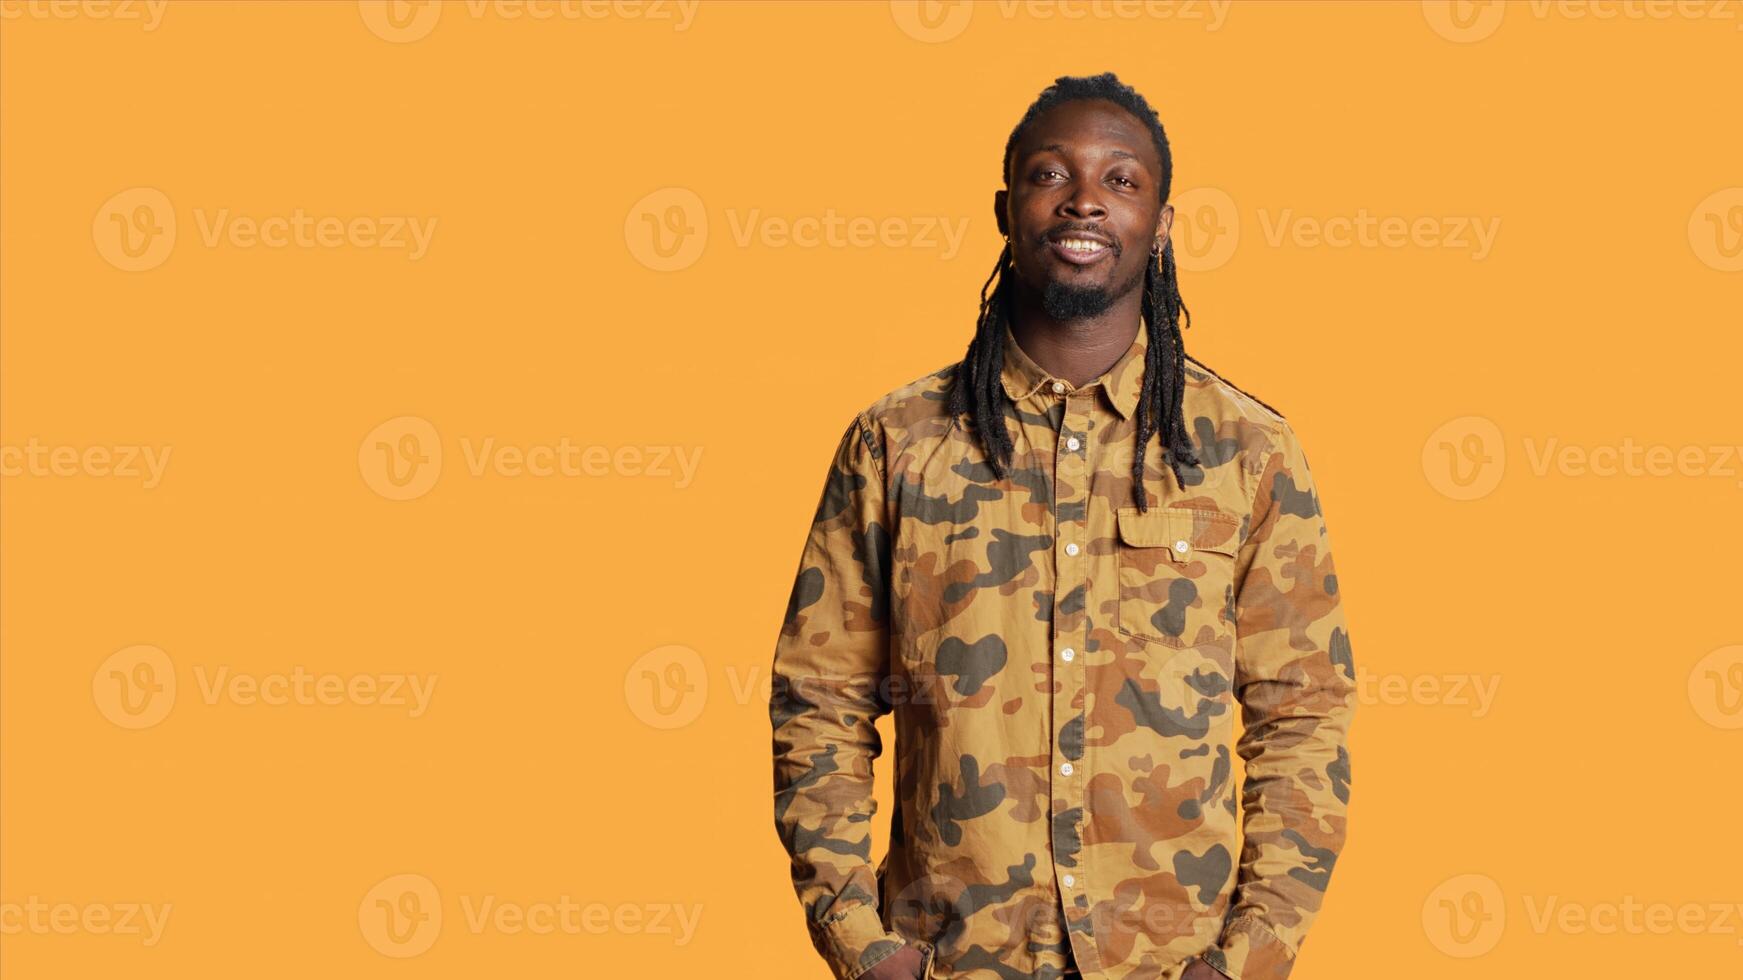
[1078, 250]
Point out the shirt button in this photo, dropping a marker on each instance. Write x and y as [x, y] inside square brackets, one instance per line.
[1067, 653]
[1072, 443]
[1181, 546]
[1065, 769]
[1068, 881]
[1071, 549]
[1058, 386]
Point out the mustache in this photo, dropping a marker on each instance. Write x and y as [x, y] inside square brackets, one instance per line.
[1092, 231]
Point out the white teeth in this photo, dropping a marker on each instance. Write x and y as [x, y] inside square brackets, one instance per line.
[1081, 245]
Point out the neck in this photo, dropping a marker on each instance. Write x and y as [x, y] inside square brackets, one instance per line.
[1078, 350]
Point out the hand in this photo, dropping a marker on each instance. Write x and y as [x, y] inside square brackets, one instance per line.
[904, 964]
[1198, 969]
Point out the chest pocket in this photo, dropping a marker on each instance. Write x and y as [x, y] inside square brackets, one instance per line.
[1176, 571]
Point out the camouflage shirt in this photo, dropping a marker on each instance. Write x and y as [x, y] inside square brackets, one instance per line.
[1064, 673]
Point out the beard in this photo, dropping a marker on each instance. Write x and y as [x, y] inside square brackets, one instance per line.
[1065, 302]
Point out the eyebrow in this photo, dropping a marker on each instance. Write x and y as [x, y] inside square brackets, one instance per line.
[1060, 148]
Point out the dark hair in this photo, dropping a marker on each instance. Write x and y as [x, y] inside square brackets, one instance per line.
[976, 391]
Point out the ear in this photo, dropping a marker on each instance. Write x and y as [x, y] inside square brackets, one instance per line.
[1164, 223]
[999, 199]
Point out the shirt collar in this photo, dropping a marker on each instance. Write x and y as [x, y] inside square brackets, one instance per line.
[1120, 384]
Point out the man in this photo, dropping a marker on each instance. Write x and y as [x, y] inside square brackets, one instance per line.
[1063, 617]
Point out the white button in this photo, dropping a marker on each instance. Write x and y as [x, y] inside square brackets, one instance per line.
[1067, 653]
[1071, 549]
[1065, 769]
[1181, 546]
[1058, 386]
[1072, 443]
[1068, 881]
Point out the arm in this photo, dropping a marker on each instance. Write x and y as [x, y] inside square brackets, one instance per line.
[829, 677]
[1295, 678]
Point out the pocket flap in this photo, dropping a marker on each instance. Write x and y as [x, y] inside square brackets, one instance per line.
[1181, 531]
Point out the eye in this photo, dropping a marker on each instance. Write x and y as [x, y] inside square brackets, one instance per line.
[1125, 180]
[1042, 174]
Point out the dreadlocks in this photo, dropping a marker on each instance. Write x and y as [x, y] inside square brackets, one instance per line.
[975, 390]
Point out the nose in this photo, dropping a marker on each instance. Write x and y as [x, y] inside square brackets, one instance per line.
[1084, 201]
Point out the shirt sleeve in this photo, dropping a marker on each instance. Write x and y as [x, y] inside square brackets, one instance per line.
[1295, 679]
[829, 686]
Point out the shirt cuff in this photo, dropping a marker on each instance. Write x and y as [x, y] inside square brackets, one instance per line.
[1249, 950]
[855, 941]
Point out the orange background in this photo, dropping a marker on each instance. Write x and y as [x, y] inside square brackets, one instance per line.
[568, 749]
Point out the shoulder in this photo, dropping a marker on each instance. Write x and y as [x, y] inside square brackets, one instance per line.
[911, 411]
[896, 420]
[925, 395]
[1232, 425]
[1221, 397]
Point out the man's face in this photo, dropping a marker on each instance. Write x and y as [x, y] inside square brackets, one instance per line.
[1083, 209]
